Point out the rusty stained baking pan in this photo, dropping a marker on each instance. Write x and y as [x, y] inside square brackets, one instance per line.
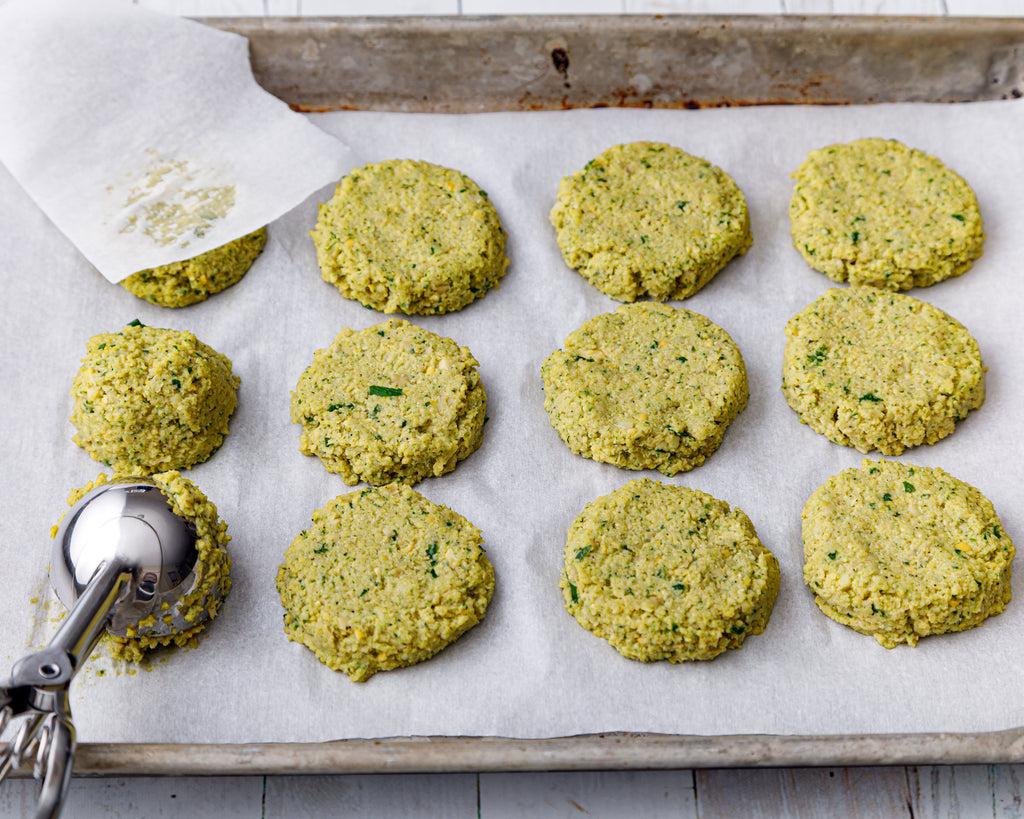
[470, 64]
[609, 751]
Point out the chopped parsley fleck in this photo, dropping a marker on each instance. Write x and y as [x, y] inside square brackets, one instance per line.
[908, 487]
[582, 552]
[387, 392]
[870, 396]
[818, 355]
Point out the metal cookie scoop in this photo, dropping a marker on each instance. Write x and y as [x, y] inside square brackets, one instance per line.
[122, 561]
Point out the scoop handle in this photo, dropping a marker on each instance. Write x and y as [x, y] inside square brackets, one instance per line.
[41, 682]
[77, 636]
[88, 618]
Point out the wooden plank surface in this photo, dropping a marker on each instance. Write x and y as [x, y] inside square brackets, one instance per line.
[954, 792]
[804, 792]
[922, 792]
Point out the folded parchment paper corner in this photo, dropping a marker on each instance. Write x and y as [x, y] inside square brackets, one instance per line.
[144, 137]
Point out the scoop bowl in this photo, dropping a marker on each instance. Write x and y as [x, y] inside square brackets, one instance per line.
[129, 523]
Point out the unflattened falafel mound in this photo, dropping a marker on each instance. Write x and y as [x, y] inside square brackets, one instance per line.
[667, 572]
[874, 211]
[390, 403]
[203, 600]
[194, 280]
[899, 552]
[406, 236]
[383, 579]
[647, 219]
[148, 400]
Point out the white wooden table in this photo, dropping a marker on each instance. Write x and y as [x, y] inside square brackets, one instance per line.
[921, 792]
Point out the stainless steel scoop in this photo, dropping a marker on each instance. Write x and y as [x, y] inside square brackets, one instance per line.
[119, 555]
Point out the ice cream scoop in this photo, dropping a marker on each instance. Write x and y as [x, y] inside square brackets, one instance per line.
[122, 561]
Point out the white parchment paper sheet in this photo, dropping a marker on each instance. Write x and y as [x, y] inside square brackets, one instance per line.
[144, 137]
[528, 670]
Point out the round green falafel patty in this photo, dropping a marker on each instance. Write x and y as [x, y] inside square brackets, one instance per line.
[383, 579]
[878, 370]
[647, 219]
[389, 403]
[899, 552]
[874, 211]
[667, 573]
[647, 386]
[406, 236]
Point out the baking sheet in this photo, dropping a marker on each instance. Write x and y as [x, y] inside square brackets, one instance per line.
[528, 670]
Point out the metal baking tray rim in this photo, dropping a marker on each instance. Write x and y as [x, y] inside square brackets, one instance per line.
[600, 751]
[554, 62]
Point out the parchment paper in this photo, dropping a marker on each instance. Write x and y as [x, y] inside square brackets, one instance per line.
[144, 137]
[528, 670]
